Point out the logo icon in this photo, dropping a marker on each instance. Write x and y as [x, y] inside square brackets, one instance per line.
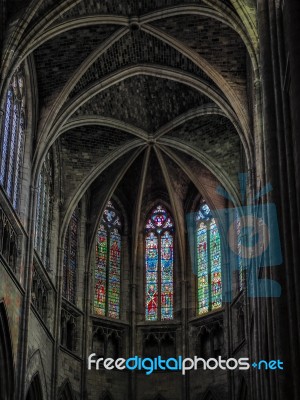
[250, 241]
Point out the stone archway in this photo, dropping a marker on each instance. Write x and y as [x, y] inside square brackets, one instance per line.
[6, 357]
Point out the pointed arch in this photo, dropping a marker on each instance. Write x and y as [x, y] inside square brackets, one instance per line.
[6, 357]
[106, 395]
[44, 209]
[66, 392]
[12, 138]
[208, 261]
[35, 389]
[208, 395]
[243, 390]
[159, 265]
[35, 366]
[71, 257]
[108, 264]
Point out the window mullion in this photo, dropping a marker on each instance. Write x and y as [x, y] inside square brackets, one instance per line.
[107, 271]
[9, 142]
[69, 265]
[15, 153]
[19, 154]
[159, 277]
[209, 266]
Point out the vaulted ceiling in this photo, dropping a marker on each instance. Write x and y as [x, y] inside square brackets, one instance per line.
[141, 97]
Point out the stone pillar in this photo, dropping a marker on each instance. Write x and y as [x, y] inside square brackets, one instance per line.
[280, 315]
[28, 267]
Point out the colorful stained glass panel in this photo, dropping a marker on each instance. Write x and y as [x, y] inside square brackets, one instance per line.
[215, 259]
[114, 275]
[100, 271]
[166, 276]
[12, 142]
[5, 140]
[239, 249]
[108, 264]
[202, 263]
[151, 260]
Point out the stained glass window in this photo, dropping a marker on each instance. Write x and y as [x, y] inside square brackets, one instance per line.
[44, 210]
[12, 137]
[108, 264]
[238, 231]
[208, 255]
[71, 258]
[159, 261]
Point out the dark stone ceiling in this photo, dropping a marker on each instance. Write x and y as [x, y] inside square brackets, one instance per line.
[200, 49]
[139, 101]
[59, 57]
[138, 48]
[211, 39]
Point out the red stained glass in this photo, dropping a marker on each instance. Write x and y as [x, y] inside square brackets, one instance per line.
[108, 264]
[159, 260]
[208, 261]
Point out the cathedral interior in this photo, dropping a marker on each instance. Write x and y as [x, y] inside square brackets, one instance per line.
[128, 129]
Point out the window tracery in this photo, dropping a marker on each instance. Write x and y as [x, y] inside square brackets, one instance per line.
[12, 138]
[108, 264]
[71, 258]
[159, 262]
[208, 256]
[44, 210]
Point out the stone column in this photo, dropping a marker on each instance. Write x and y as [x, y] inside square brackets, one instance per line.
[28, 267]
[280, 313]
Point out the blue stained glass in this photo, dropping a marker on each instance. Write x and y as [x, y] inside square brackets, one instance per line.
[167, 276]
[202, 263]
[100, 271]
[12, 142]
[114, 275]
[5, 140]
[208, 254]
[215, 254]
[151, 277]
[239, 249]
[159, 260]
[18, 160]
[11, 161]
[108, 264]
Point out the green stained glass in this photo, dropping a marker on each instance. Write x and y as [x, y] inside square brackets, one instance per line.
[215, 260]
[209, 267]
[239, 249]
[108, 264]
[166, 276]
[100, 271]
[151, 277]
[114, 275]
[159, 264]
[202, 262]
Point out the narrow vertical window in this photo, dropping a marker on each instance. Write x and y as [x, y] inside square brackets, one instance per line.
[208, 255]
[44, 211]
[71, 258]
[159, 262]
[108, 264]
[238, 232]
[12, 138]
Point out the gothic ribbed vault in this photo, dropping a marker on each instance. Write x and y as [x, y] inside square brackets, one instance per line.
[116, 79]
